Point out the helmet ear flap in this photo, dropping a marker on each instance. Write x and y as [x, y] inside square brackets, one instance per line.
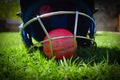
[26, 38]
[92, 30]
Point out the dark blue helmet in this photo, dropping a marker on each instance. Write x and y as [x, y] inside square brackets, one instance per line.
[32, 8]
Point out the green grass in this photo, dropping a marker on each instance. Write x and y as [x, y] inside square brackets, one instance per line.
[102, 64]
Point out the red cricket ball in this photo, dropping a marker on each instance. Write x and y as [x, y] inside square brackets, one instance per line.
[62, 47]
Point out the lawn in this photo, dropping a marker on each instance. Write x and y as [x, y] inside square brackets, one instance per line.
[100, 64]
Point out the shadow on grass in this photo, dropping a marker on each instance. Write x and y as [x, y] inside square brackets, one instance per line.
[111, 55]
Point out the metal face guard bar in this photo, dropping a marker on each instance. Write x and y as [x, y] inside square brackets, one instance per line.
[59, 13]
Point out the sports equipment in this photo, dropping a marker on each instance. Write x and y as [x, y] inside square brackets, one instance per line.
[62, 44]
